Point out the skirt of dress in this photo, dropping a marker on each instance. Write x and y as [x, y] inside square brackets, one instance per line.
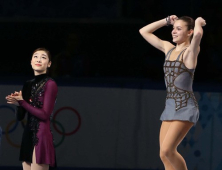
[45, 152]
[189, 113]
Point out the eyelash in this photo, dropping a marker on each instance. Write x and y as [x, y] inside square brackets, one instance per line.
[42, 57]
[177, 29]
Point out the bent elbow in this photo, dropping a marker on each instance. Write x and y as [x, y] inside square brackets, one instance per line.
[141, 31]
[45, 117]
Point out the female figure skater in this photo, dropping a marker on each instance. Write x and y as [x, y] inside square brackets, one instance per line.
[37, 98]
[181, 109]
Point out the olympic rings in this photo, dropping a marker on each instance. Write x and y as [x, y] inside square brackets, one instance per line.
[61, 130]
[16, 124]
[7, 134]
[79, 121]
[63, 136]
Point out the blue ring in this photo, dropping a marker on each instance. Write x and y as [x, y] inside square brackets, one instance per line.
[16, 124]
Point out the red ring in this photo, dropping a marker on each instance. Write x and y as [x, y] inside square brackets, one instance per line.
[72, 132]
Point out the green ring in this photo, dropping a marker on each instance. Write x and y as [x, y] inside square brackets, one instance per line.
[63, 130]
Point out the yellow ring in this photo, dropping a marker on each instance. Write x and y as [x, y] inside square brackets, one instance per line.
[7, 134]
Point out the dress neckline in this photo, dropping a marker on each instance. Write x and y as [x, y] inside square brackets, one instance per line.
[178, 57]
[40, 77]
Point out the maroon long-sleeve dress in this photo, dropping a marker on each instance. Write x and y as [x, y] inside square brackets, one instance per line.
[39, 97]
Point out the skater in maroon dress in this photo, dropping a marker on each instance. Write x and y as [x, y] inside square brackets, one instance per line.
[37, 99]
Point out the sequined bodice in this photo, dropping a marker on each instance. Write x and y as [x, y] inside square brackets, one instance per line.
[37, 91]
[178, 80]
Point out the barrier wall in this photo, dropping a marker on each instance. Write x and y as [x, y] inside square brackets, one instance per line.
[117, 128]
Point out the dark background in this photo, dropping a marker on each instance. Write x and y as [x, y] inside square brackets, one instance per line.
[100, 38]
[99, 41]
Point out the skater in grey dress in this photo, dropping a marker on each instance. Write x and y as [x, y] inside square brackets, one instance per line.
[180, 101]
[181, 108]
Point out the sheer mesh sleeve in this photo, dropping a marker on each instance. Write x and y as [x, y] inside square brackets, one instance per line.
[50, 94]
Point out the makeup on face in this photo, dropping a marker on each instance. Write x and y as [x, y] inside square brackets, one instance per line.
[40, 62]
[179, 32]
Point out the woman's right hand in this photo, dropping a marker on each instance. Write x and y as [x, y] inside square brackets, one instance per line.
[11, 100]
[173, 18]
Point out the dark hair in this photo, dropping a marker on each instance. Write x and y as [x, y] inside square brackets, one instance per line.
[190, 23]
[44, 49]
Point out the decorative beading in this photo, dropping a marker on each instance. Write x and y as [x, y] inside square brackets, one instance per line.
[172, 70]
[36, 92]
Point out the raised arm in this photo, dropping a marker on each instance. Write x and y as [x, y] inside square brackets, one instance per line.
[48, 102]
[197, 36]
[147, 33]
[190, 59]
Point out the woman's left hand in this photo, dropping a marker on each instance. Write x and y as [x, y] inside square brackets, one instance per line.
[17, 96]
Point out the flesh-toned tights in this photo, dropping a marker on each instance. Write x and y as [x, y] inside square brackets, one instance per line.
[171, 135]
[34, 165]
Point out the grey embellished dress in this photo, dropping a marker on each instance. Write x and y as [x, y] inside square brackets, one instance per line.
[180, 100]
